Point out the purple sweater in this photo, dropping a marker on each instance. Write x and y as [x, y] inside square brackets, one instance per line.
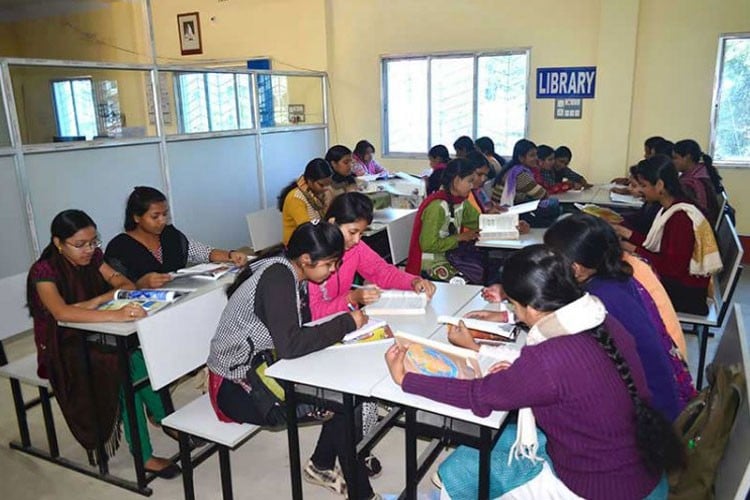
[580, 402]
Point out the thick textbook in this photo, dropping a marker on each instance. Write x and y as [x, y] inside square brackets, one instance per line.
[398, 302]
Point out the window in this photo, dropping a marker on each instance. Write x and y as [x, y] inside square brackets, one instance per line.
[433, 100]
[730, 144]
[212, 102]
[74, 108]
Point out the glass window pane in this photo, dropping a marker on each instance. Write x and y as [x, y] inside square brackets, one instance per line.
[222, 101]
[406, 85]
[4, 131]
[244, 101]
[452, 99]
[732, 127]
[193, 103]
[280, 89]
[64, 110]
[83, 97]
[501, 99]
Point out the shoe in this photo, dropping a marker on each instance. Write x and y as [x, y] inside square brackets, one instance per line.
[435, 478]
[372, 464]
[193, 442]
[168, 472]
[327, 478]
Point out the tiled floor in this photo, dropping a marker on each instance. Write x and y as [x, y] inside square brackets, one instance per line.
[260, 467]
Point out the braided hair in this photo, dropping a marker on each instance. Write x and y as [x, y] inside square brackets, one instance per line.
[539, 277]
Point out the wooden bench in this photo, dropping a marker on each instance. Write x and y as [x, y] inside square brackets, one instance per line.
[15, 320]
[175, 342]
[733, 475]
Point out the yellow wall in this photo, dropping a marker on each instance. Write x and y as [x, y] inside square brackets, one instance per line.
[291, 32]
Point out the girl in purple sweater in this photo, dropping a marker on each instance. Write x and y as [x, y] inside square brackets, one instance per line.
[580, 376]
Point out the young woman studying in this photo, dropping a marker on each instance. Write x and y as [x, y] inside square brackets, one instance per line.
[680, 244]
[151, 247]
[546, 172]
[340, 159]
[352, 213]
[515, 182]
[266, 310]
[439, 158]
[307, 198]
[68, 282]
[581, 379]
[363, 162]
[699, 179]
[487, 147]
[445, 222]
[593, 249]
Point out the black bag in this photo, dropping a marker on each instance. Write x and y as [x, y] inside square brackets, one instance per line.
[266, 394]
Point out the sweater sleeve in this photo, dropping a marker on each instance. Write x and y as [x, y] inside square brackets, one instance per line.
[470, 216]
[676, 250]
[297, 210]
[505, 390]
[276, 298]
[429, 239]
[526, 185]
[373, 268]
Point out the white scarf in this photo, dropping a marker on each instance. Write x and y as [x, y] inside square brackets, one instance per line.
[580, 315]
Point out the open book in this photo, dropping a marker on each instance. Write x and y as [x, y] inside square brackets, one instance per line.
[372, 331]
[625, 198]
[210, 270]
[498, 226]
[150, 300]
[438, 359]
[486, 331]
[398, 302]
[605, 213]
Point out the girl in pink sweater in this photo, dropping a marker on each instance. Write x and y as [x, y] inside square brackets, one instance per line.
[352, 212]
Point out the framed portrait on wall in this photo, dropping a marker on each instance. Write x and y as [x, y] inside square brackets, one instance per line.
[189, 27]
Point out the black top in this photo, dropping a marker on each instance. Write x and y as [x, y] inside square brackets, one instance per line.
[131, 258]
[338, 179]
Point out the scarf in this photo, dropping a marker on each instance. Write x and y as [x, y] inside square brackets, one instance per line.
[80, 394]
[509, 191]
[315, 202]
[705, 259]
[581, 315]
[414, 259]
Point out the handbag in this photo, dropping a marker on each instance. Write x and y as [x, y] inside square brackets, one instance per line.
[266, 393]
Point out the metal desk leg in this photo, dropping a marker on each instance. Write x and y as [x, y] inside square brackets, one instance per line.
[412, 482]
[351, 446]
[485, 448]
[127, 387]
[295, 469]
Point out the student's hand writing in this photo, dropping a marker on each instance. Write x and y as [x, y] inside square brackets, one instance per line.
[523, 227]
[360, 318]
[238, 258]
[470, 235]
[460, 336]
[421, 285]
[154, 280]
[365, 295]
[394, 358]
[130, 312]
[498, 367]
[496, 316]
[493, 293]
[622, 231]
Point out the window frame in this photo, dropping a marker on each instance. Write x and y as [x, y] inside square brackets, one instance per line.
[723, 38]
[70, 81]
[384, 59]
[179, 98]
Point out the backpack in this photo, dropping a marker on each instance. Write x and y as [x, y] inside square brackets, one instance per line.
[704, 426]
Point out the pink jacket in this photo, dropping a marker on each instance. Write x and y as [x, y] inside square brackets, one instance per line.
[330, 296]
[359, 167]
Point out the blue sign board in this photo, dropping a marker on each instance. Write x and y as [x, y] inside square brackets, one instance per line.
[566, 83]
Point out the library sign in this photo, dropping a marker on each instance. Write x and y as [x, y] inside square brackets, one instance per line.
[568, 86]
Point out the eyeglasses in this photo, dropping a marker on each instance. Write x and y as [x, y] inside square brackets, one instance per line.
[92, 245]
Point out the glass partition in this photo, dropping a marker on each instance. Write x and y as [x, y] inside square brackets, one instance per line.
[290, 100]
[61, 104]
[4, 131]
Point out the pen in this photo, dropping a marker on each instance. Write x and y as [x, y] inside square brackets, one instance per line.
[373, 287]
[351, 307]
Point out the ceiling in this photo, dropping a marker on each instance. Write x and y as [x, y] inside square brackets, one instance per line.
[20, 10]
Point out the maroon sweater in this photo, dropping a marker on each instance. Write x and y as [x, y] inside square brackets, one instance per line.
[580, 402]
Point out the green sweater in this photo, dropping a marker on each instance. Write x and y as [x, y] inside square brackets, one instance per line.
[435, 238]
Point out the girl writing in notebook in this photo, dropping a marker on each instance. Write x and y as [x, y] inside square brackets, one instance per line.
[307, 198]
[578, 378]
[680, 243]
[67, 283]
[151, 248]
[267, 308]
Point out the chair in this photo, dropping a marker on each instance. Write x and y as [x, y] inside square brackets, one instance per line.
[265, 229]
[15, 320]
[722, 199]
[399, 237]
[168, 358]
[725, 282]
[733, 474]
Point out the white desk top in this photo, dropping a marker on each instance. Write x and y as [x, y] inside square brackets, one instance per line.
[598, 194]
[386, 215]
[130, 328]
[357, 369]
[535, 236]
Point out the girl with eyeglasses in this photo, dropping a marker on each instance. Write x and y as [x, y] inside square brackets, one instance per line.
[67, 283]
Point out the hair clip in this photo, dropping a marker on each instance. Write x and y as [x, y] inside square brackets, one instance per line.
[315, 222]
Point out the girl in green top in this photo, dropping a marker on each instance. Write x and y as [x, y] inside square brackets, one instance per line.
[445, 219]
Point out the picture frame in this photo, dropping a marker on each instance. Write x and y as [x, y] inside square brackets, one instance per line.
[296, 113]
[189, 31]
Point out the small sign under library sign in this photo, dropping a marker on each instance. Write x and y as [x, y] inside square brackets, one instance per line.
[568, 109]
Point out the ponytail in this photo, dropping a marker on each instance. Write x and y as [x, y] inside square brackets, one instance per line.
[713, 173]
[688, 147]
[658, 445]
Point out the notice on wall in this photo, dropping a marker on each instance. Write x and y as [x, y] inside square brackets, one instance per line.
[568, 109]
[566, 83]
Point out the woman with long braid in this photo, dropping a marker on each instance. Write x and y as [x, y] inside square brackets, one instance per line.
[580, 377]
